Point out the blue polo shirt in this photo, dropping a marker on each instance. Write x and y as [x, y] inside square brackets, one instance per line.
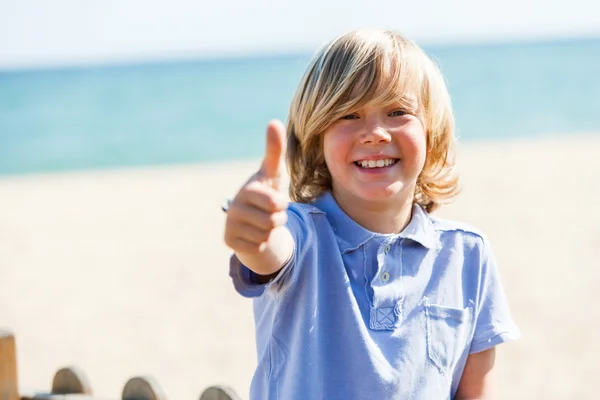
[362, 315]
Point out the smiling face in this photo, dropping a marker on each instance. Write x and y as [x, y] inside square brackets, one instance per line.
[369, 108]
[375, 154]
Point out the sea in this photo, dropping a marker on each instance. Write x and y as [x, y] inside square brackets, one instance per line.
[206, 110]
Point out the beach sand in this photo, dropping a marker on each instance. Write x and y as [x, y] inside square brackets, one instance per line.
[125, 273]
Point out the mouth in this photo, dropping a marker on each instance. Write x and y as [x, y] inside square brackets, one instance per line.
[382, 163]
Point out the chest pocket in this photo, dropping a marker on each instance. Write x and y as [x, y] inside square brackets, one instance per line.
[447, 334]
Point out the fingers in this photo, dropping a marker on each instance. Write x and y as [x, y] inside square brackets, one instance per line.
[252, 237]
[274, 162]
[251, 233]
[259, 208]
[242, 246]
[262, 197]
[257, 218]
[253, 214]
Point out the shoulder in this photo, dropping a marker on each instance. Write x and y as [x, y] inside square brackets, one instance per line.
[305, 219]
[304, 209]
[457, 233]
[304, 213]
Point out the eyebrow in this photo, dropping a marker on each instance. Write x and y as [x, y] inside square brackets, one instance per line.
[410, 99]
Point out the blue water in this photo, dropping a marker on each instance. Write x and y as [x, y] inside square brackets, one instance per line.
[194, 111]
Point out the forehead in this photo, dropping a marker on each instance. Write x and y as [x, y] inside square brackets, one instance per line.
[383, 77]
[382, 88]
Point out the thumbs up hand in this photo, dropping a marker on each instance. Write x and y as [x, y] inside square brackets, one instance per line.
[256, 216]
[273, 165]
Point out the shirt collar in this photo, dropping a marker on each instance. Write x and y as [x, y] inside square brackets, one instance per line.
[350, 235]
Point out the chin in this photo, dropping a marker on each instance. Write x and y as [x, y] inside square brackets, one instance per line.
[379, 193]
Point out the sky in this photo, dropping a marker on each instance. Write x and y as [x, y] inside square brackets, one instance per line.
[36, 33]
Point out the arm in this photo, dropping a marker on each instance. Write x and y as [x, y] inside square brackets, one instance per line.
[254, 227]
[493, 326]
[476, 382]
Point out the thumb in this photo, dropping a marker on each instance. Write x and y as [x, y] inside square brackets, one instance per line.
[274, 162]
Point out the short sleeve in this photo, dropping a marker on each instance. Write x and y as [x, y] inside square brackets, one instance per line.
[493, 322]
[299, 226]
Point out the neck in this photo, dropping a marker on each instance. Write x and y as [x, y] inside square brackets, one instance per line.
[386, 216]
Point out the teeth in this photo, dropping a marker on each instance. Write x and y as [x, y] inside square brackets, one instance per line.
[376, 163]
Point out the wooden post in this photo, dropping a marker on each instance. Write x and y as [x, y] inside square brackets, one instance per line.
[71, 380]
[143, 388]
[220, 392]
[9, 386]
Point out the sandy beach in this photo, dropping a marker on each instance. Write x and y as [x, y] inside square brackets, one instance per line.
[124, 272]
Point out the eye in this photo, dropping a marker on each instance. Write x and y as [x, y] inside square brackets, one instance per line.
[398, 113]
[350, 116]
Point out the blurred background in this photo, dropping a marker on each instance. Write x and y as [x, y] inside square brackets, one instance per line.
[105, 84]
[124, 124]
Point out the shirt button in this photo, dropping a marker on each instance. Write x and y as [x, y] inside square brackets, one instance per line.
[387, 248]
[385, 276]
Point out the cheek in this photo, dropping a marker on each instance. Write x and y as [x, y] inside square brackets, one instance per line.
[334, 149]
[414, 144]
[329, 153]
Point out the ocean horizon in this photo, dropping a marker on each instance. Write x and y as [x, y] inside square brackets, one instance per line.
[204, 110]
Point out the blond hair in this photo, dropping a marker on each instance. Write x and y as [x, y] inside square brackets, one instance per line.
[370, 67]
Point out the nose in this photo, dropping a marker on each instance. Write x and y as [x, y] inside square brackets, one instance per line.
[375, 134]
